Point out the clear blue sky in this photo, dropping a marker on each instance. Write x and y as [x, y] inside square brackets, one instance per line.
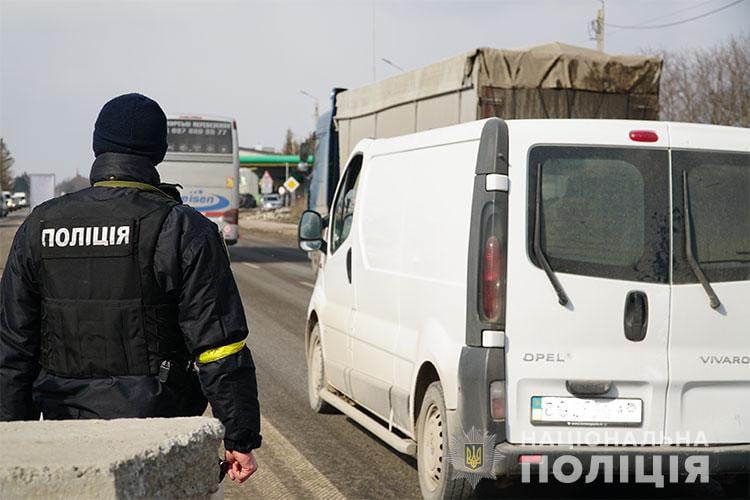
[61, 60]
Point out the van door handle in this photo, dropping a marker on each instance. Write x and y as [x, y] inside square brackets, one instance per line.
[588, 387]
[635, 319]
[349, 264]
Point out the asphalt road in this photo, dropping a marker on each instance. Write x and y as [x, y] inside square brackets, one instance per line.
[275, 280]
[8, 226]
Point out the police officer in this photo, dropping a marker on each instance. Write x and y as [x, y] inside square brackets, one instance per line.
[118, 301]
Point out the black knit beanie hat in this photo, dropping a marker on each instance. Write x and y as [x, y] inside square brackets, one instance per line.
[131, 124]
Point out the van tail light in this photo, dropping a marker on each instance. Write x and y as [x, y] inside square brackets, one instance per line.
[491, 274]
[493, 249]
[643, 136]
[231, 216]
[497, 400]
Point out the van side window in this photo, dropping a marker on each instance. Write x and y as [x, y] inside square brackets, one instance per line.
[343, 211]
[604, 211]
[719, 198]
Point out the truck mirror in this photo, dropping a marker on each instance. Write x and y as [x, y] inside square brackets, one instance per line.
[304, 152]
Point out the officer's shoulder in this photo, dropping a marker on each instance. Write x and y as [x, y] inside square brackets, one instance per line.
[191, 220]
[44, 207]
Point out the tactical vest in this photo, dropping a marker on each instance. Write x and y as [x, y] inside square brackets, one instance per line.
[103, 312]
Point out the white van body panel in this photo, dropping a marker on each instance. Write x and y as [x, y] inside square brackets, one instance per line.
[709, 350]
[430, 277]
[336, 304]
[388, 343]
[585, 339]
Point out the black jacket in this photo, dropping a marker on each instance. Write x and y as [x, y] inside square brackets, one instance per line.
[191, 264]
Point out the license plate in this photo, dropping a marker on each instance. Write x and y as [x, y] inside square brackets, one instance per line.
[554, 410]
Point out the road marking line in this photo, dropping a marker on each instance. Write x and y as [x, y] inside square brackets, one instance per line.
[278, 458]
[262, 484]
[251, 265]
[307, 284]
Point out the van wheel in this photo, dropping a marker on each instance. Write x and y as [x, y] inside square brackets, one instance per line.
[436, 475]
[316, 374]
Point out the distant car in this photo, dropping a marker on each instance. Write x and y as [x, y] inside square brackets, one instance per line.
[8, 201]
[20, 199]
[248, 201]
[272, 202]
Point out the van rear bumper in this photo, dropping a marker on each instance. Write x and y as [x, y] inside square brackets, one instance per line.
[722, 459]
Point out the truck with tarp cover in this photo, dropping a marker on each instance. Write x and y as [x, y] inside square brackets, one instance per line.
[546, 81]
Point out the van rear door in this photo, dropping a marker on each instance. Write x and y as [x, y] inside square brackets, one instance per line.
[708, 400]
[592, 370]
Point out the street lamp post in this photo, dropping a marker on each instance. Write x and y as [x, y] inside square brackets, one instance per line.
[304, 93]
[303, 161]
[391, 63]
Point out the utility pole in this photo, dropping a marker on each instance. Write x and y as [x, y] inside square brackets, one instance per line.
[372, 12]
[596, 28]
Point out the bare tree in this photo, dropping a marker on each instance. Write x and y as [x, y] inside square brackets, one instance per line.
[6, 164]
[21, 183]
[708, 85]
[291, 146]
[72, 185]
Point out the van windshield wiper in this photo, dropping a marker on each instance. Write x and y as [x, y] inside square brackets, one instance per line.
[562, 297]
[694, 265]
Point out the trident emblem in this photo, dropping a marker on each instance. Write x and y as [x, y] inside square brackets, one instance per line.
[474, 455]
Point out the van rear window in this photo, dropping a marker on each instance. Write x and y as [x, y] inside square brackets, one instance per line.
[719, 197]
[604, 211]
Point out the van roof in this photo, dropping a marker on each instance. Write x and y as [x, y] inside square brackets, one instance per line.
[677, 135]
[544, 122]
[463, 132]
[577, 131]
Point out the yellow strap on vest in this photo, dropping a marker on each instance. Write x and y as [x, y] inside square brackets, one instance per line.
[222, 352]
[129, 184]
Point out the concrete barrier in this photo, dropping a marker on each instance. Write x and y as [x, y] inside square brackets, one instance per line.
[124, 458]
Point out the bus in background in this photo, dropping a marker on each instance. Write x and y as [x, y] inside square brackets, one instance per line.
[203, 158]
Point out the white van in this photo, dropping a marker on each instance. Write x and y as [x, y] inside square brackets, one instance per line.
[499, 296]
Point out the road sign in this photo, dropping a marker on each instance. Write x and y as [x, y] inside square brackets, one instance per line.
[266, 183]
[291, 184]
